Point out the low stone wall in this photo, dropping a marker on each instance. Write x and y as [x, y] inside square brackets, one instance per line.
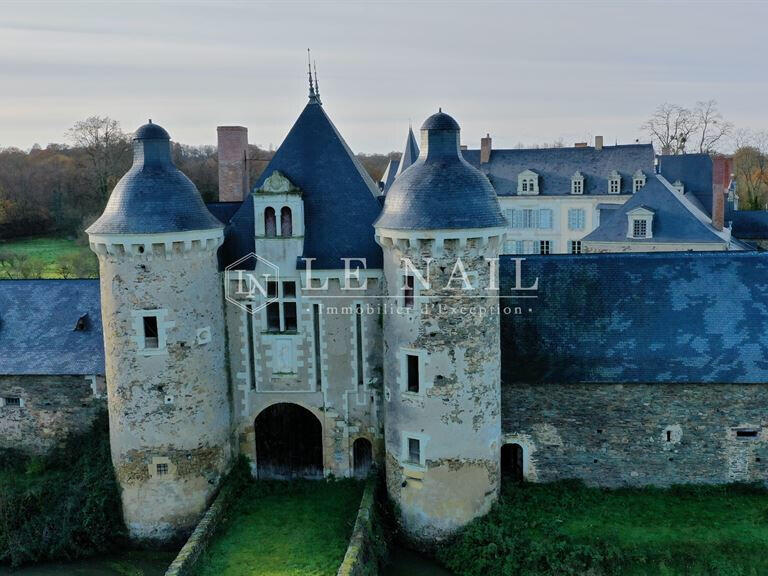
[360, 559]
[639, 434]
[50, 408]
[185, 563]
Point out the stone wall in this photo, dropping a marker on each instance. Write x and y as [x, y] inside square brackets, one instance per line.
[52, 407]
[638, 434]
[169, 411]
[361, 559]
[281, 367]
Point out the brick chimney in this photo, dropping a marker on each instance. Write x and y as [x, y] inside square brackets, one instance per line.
[485, 149]
[722, 167]
[233, 163]
[598, 142]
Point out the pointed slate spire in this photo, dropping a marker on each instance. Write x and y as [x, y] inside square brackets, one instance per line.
[317, 83]
[410, 154]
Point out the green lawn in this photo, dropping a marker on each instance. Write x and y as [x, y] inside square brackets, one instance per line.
[566, 528]
[44, 256]
[286, 529]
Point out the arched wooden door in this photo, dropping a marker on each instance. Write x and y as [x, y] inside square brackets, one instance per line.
[289, 443]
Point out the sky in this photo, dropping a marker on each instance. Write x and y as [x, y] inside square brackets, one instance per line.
[525, 72]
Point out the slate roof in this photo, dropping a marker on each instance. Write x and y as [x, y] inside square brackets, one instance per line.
[223, 211]
[389, 174]
[154, 196]
[339, 196]
[695, 172]
[556, 167]
[675, 218]
[440, 189]
[410, 153]
[37, 321]
[748, 224]
[687, 317]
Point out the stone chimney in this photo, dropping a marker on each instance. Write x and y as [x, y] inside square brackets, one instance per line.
[233, 163]
[485, 149]
[598, 142]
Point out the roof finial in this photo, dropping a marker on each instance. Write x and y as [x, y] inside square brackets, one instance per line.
[150, 120]
[311, 83]
[317, 82]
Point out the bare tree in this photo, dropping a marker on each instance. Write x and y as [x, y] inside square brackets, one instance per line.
[711, 127]
[671, 126]
[750, 164]
[106, 147]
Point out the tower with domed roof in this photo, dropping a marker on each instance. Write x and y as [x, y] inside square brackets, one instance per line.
[163, 319]
[440, 229]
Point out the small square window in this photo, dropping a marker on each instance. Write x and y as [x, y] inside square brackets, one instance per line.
[150, 332]
[12, 401]
[544, 247]
[414, 451]
[640, 228]
[289, 289]
[413, 373]
[162, 469]
[575, 246]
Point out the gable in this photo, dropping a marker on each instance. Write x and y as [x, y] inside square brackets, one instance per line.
[339, 196]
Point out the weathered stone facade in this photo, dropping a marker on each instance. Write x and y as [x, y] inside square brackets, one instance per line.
[455, 413]
[639, 434]
[168, 405]
[50, 409]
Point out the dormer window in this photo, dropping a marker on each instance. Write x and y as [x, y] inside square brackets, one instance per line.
[640, 223]
[679, 186]
[614, 183]
[528, 182]
[577, 183]
[638, 181]
[82, 323]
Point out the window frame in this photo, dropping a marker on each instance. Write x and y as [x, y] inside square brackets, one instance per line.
[280, 302]
[575, 247]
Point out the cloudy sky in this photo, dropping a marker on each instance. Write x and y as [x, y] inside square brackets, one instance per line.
[525, 72]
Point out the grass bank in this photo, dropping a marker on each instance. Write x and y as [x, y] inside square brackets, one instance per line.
[63, 506]
[46, 257]
[567, 528]
[285, 529]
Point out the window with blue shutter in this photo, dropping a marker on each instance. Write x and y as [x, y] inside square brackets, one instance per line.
[576, 219]
[545, 218]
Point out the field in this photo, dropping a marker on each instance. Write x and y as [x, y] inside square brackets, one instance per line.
[567, 528]
[286, 529]
[46, 257]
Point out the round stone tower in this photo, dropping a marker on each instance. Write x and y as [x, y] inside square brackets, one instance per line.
[163, 319]
[441, 229]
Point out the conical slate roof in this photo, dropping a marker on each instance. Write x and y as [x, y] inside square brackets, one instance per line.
[339, 196]
[389, 175]
[440, 190]
[410, 153]
[154, 196]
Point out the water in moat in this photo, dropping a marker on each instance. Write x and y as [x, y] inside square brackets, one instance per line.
[131, 563]
[404, 562]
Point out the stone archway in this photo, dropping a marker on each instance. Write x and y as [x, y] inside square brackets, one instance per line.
[362, 457]
[512, 462]
[289, 443]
